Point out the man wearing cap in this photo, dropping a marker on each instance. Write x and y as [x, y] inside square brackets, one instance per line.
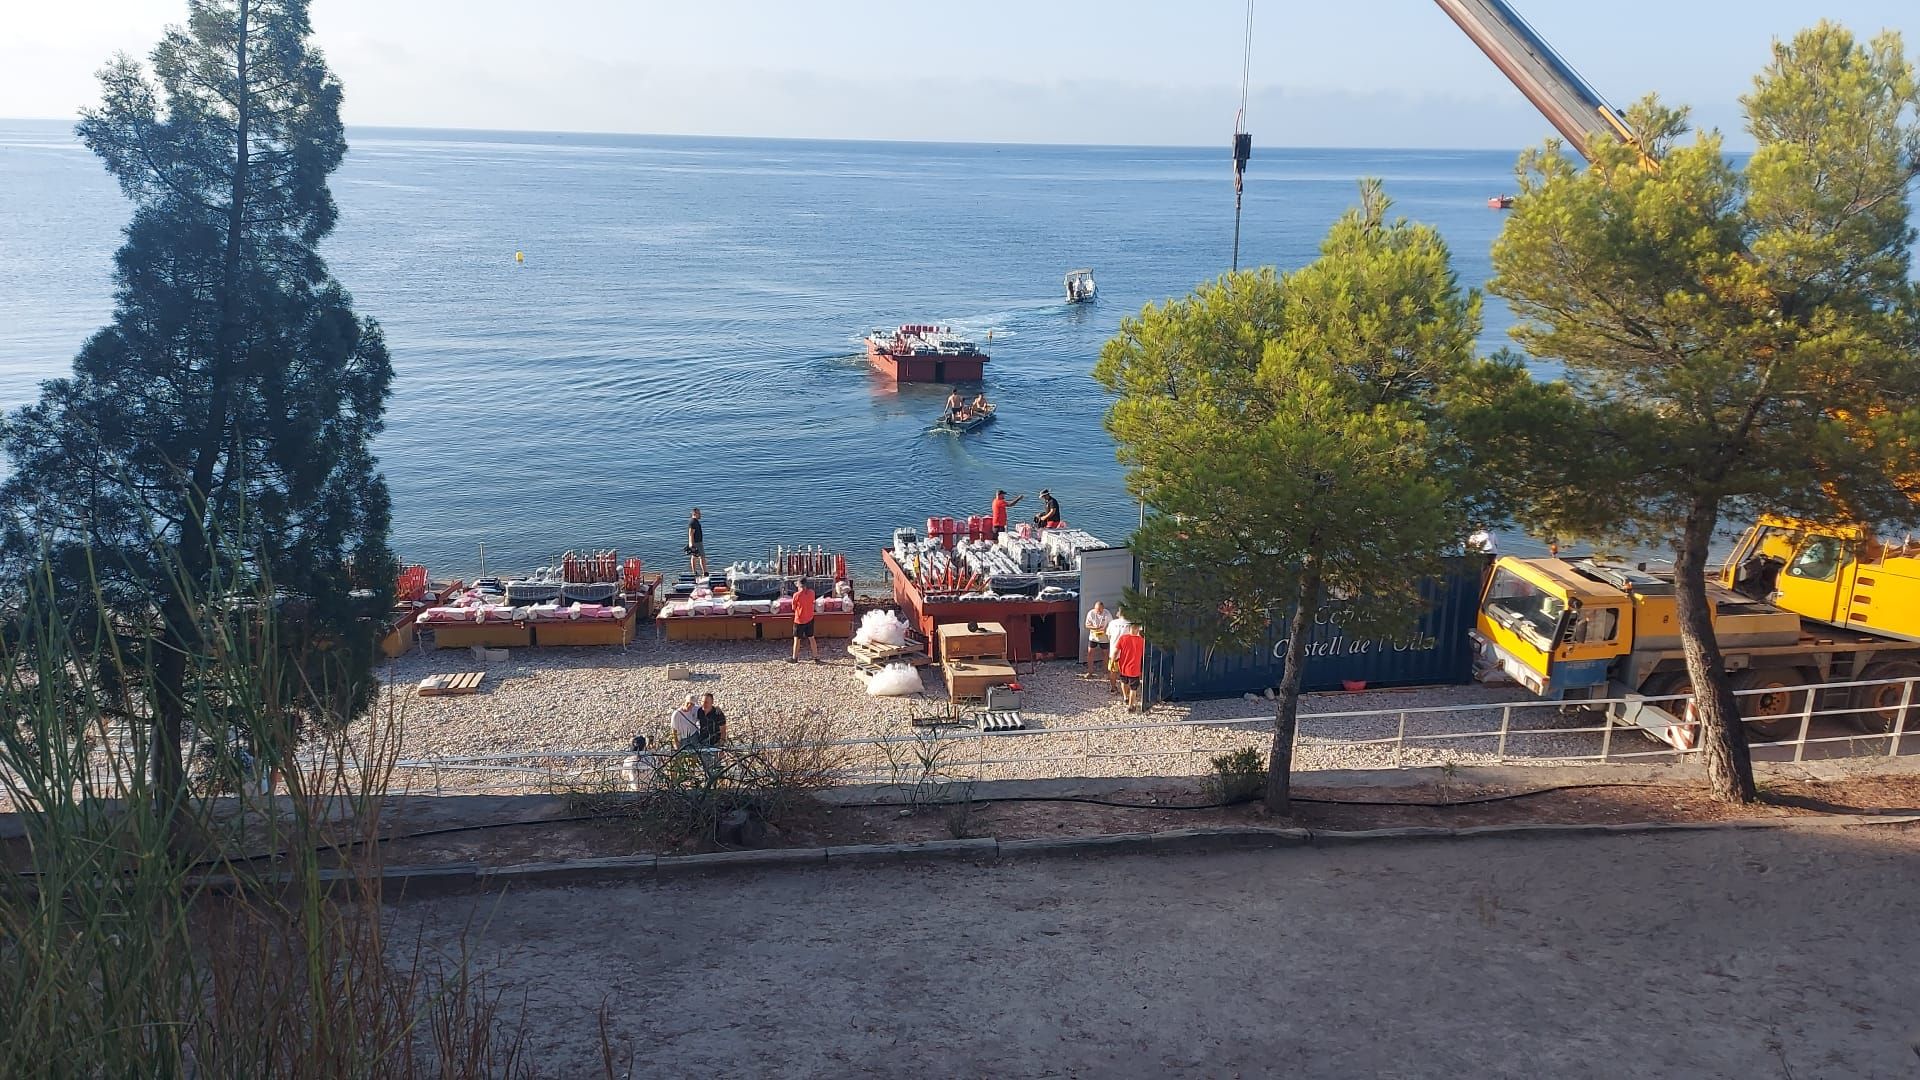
[1049, 515]
[1000, 507]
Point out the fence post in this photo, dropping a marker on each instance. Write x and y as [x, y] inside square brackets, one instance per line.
[1900, 720]
[1606, 735]
[1806, 721]
[1400, 744]
[1506, 723]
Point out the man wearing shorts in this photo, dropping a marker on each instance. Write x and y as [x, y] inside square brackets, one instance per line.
[1097, 622]
[803, 624]
[1129, 657]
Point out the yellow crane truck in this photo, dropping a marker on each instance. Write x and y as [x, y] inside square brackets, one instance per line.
[1597, 630]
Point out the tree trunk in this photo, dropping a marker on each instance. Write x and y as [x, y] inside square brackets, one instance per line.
[1286, 706]
[1722, 741]
[195, 549]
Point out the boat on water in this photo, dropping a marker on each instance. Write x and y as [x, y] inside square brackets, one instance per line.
[1500, 202]
[923, 352]
[970, 420]
[1080, 286]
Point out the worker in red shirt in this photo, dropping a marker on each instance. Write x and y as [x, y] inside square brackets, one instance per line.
[1000, 505]
[1129, 657]
[803, 624]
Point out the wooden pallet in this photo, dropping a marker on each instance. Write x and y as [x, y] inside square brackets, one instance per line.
[882, 655]
[463, 682]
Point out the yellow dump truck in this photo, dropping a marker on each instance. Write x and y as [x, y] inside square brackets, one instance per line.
[1593, 630]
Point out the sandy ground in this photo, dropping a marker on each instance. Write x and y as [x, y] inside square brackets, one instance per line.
[1759, 954]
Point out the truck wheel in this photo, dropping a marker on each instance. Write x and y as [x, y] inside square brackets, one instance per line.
[1775, 713]
[1885, 700]
[1668, 685]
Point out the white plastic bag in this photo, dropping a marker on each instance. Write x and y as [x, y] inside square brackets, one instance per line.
[895, 680]
[881, 628]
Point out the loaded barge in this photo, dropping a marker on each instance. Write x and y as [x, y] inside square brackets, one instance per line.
[920, 352]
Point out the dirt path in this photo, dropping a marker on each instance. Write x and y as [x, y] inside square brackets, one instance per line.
[1757, 954]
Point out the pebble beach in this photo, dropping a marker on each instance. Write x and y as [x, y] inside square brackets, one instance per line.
[553, 717]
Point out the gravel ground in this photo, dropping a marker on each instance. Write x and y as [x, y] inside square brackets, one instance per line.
[594, 699]
[1731, 954]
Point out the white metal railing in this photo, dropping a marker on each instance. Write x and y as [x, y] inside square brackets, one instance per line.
[1367, 738]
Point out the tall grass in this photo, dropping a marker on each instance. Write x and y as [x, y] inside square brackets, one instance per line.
[232, 933]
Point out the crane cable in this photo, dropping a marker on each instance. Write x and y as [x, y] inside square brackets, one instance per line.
[1242, 141]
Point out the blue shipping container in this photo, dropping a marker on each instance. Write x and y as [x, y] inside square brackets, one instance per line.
[1437, 652]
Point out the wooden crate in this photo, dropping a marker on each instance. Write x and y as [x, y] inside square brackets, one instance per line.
[398, 640]
[491, 635]
[958, 642]
[968, 679]
[463, 682]
[708, 627]
[586, 632]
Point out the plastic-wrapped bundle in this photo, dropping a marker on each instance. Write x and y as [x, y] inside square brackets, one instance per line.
[753, 586]
[597, 592]
[895, 680]
[1060, 579]
[1054, 592]
[881, 628]
[1014, 584]
[532, 592]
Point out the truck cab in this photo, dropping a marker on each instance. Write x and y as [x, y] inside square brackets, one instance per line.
[1552, 628]
[1841, 575]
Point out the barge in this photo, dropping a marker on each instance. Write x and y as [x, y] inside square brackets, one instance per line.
[921, 352]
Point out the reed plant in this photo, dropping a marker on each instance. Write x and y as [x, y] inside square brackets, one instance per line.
[235, 930]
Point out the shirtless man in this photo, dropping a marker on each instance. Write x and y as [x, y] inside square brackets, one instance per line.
[956, 406]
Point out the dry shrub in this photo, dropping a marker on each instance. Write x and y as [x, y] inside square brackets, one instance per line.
[731, 793]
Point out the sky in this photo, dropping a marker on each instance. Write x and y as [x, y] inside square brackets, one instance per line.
[1369, 73]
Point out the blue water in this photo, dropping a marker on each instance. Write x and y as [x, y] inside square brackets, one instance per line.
[685, 329]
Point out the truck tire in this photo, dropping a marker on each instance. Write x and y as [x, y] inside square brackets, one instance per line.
[1885, 700]
[1771, 715]
[1668, 685]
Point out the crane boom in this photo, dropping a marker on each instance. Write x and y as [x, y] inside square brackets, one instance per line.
[1568, 102]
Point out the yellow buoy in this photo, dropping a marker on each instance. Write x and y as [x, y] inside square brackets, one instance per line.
[519, 256]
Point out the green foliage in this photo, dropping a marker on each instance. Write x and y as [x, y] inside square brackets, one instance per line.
[1735, 341]
[1281, 425]
[224, 416]
[1236, 777]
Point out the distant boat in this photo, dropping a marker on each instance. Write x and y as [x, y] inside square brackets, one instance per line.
[1500, 202]
[922, 352]
[972, 421]
[1080, 286]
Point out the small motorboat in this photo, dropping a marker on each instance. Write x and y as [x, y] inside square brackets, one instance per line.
[1080, 286]
[1500, 202]
[968, 420]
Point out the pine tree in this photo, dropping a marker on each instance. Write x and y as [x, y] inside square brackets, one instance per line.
[1736, 341]
[1287, 433]
[215, 436]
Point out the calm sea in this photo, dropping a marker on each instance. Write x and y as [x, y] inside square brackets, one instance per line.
[685, 328]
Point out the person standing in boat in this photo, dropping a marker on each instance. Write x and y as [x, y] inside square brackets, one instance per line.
[1049, 515]
[956, 405]
[696, 545]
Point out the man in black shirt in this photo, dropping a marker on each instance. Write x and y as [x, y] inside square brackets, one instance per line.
[696, 545]
[1049, 515]
[713, 722]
